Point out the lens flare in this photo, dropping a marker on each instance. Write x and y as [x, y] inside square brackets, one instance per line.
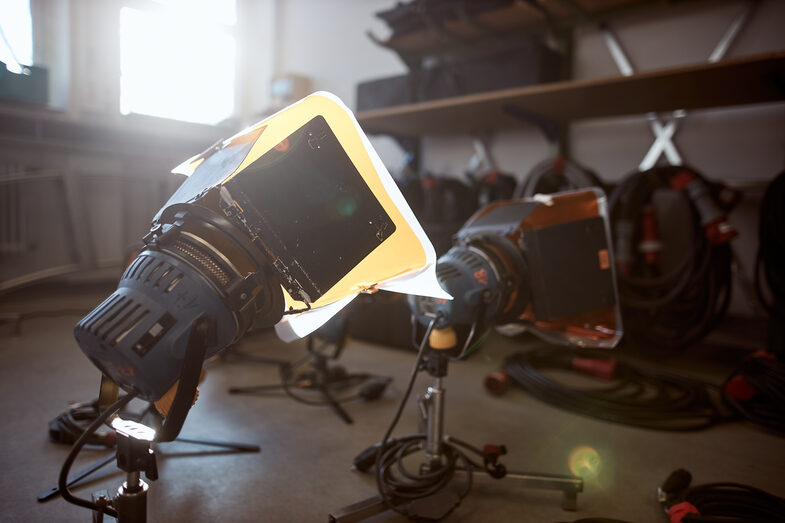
[585, 462]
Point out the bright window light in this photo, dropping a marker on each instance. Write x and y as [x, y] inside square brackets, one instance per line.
[16, 34]
[219, 11]
[178, 61]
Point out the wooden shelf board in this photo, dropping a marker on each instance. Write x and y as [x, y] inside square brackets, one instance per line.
[738, 81]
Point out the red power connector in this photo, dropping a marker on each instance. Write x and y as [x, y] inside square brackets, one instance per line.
[713, 219]
[679, 510]
[651, 243]
[604, 368]
[497, 382]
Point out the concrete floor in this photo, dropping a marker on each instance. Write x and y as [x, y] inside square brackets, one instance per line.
[303, 470]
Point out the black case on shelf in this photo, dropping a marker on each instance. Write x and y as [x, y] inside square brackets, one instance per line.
[527, 62]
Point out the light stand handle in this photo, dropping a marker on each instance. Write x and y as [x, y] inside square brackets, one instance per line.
[201, 337]
[134, 454]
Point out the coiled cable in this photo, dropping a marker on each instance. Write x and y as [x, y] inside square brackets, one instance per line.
[556, 174]
[647, 398]
[724, 502]
[667, 310]
[756, 390]
[68, 426]
[770, 265]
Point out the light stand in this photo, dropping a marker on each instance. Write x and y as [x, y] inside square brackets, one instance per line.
[134, 456]
[230, 446]
[320, 379]
[432, 418]
[324, 345]
[134, 453]
[432, 408]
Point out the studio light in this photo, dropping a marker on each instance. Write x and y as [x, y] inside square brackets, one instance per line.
[294, 215]
[280, 225]
[541, 264]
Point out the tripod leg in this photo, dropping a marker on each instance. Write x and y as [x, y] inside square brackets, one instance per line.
[358, 511]
[73, 480]
[335, 405]
[570, 486]
[239, 447]
[254, 389]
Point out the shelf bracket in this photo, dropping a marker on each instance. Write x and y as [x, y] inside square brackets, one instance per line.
[412, 148]
[664, 132]
[555, 133]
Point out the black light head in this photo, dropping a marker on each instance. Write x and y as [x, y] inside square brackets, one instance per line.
[543, 263]
[196, 263]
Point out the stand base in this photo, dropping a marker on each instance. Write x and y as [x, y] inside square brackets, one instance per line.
[231, 446]
[569, 485]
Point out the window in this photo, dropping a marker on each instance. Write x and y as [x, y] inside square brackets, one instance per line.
[16, 34]
[177, 60]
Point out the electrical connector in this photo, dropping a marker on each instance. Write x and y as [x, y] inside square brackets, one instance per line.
[651, 243]
[604, 368]
[625, 232]
[714, 221]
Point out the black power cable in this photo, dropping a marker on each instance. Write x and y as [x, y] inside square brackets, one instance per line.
[770, 262]
[669, 310]
[62, 482]
[756, 390]
[640, 397]
[770, 266]
[717, 502]
[68, 426]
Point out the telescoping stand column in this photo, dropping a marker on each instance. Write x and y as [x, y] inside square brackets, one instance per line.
[134, 456]
[427, 494]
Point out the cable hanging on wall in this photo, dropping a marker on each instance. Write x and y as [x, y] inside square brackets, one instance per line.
[670, 307]
[557, 174]
[770, 262]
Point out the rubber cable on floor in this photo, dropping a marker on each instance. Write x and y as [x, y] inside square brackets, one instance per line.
[756, 390]
[724, 502]
[636, 396]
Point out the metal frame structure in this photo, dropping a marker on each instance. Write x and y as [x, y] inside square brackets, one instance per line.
[665, 131]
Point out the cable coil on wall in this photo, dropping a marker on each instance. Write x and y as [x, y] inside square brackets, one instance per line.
[770, 262]
[554, 175]
[670, 308]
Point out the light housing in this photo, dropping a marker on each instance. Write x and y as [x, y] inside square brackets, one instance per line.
[542, 264]
[282, 224]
